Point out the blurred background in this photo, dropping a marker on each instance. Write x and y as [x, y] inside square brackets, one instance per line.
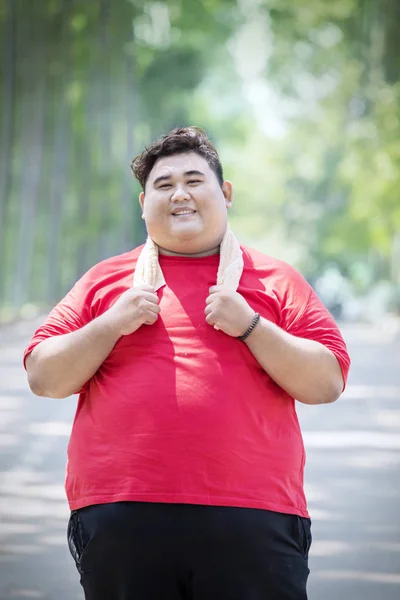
[302, 99]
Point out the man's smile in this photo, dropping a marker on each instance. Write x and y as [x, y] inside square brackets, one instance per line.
[183, 212]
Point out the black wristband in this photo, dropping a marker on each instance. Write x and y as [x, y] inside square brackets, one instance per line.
[254, 322]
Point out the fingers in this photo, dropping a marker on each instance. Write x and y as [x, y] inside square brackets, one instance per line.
[153, 308]
[215, 288]
[208, 309]
[142, 291]
[151, 320]
[151, 314]
[210, 319]
[210, 306]
[151, 297]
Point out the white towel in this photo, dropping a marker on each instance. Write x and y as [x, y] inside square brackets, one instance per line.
[148, 270]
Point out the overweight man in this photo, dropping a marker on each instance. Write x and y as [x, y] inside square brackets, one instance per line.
[186, 460]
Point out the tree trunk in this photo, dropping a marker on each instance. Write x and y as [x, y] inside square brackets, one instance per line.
[7, 131]
[60, 163]
[104, 80]
[129, 210]
[31, 171]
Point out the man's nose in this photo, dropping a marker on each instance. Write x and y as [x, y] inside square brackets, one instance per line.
[180, 194]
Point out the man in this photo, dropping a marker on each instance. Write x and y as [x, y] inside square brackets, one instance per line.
[185, 463]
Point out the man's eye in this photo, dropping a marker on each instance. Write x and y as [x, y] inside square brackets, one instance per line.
[164, 186]
[194, 181]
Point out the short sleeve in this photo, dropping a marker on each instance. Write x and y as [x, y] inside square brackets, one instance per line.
[70, 314]
[305, 316]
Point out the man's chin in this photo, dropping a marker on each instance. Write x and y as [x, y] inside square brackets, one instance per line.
[187, 246]
[190, 239]
[187, 234]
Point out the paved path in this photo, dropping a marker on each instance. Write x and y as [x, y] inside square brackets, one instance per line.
[352, 479]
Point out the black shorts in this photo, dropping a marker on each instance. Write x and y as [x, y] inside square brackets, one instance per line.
[146, 551]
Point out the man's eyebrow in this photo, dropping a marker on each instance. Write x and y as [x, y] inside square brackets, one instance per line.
[161, 178]
[189, 173]
[168, 177]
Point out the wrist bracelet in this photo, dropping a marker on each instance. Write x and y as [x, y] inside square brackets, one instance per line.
[254, 322]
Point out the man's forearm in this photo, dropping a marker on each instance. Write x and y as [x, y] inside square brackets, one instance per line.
[61, 365]
[305, 369]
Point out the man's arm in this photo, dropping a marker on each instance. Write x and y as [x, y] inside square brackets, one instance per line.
[305, 369]
[59, 366]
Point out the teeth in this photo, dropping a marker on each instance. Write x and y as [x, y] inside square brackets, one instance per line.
[184, 212]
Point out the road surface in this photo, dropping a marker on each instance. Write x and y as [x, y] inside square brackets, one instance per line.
[352, 478]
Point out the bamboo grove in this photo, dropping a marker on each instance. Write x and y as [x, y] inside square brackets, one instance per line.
[301, 97]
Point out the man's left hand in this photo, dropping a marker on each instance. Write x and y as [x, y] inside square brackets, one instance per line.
[228, 311]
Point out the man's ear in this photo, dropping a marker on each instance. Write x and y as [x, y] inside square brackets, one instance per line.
[141, 200]
[227, 190]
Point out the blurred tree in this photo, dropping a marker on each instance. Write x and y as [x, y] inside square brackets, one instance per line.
[302, 97]
[326, 96]
[8, 35]
[83, 79]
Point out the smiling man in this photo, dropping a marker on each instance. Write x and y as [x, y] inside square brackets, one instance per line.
[186, 207]
[185, 463]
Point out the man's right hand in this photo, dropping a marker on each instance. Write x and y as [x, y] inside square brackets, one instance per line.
[136, 307]
[55, 366]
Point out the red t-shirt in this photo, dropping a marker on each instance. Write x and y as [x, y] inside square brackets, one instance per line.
[179, 412]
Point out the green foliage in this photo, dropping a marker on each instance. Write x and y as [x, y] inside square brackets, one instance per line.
[301, 97]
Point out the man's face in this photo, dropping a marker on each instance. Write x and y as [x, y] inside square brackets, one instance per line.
[184, 207]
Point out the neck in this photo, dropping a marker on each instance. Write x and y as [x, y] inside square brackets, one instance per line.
[165, 252]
